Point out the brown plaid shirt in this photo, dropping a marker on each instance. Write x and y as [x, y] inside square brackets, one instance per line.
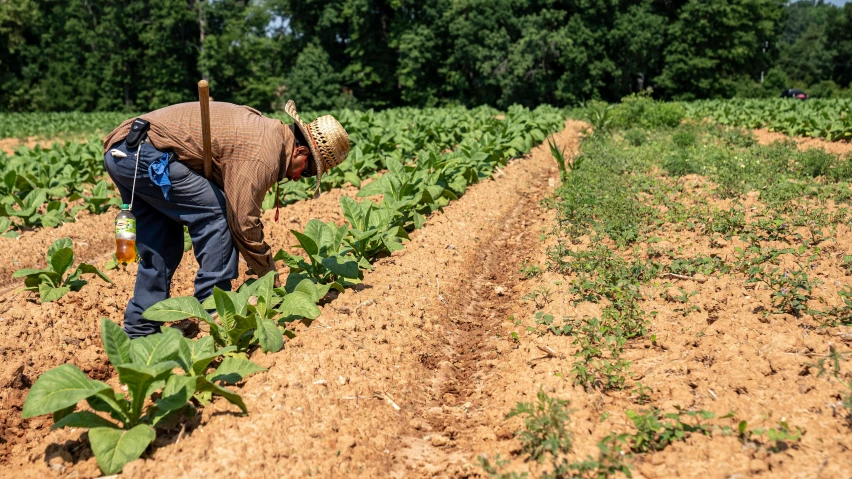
[250, 153]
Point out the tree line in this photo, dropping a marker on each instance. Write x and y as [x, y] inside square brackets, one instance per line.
[58, 55]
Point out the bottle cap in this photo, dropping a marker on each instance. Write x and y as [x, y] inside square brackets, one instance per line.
[124, 207]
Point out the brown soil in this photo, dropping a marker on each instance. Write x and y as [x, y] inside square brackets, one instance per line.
[412, 374]
[766, 137]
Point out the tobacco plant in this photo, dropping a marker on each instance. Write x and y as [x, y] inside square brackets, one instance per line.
[51, 283]
[373, 229]
[254, 315]
[330, 260]
[145, 366]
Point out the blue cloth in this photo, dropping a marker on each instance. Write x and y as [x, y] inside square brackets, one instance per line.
[193, 202]
[159, 173]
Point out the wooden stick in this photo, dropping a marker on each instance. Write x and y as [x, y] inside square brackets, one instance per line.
[204, 100]
[680, 276]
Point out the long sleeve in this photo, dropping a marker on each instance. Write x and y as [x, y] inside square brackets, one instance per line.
[245, 188]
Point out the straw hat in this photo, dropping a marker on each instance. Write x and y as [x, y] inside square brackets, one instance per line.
[327, 140]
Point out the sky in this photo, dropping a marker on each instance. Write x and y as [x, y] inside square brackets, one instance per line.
[838, 2]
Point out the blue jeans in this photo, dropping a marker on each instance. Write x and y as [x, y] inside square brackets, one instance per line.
[193, 201]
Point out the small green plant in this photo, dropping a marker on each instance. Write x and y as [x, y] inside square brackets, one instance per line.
[530, 270]
[830, 362]
[655, 430]
[545, 434]
[599, 115]
[791, 290]
[641, 394]
[635, 137]
[145, 366]
[779, 437]
[51, 283]
[100, 199]
[559, 156]
[540, 296]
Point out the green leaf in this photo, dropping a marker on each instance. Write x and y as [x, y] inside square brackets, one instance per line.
[61, 260]
[140, 378]
[116, 343]
[204, 385]
[59, 388]
[234, 370]
[268, 336]
[114, 448]
[346, 268]
[225, 307]
[85, 419]
[306, 242]
[156, 348]
[176, 309]
[177, 392]
[57, 245]
[49, 294]
[299, 304]
[30, 272]
[309, 289]
[85, 268]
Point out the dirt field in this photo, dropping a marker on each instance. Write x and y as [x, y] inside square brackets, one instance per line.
[411, 374]
[765, 137]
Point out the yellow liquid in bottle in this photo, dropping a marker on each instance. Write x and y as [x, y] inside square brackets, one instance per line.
[125, 250]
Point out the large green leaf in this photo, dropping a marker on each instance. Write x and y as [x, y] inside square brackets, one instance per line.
[114, 448]
[49, 294]
[85, 268]
[116, 343]
[233, 370]
[140, 378]
[204, 385]
[344, 267]
[306, 242]
[57, 245]
[268, 336]
[86, 419]
[61, 260]
[176, 309]
[156, 348]
[59, 388]
[176, 394]
[299, 304]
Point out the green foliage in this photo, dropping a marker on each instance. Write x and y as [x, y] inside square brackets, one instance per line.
[822, 118]
[52, 283]
[778, 437]
[655, 430]
[255, 315]
[642, 111]
[145, 367]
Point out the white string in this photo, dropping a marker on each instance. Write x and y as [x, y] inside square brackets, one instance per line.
[135, 173]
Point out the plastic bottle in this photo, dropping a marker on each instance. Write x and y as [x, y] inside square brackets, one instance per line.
[125, 235]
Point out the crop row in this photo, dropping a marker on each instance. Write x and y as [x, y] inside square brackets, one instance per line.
[52, 125]
[823, 118]
[45, 187]
[257, 315]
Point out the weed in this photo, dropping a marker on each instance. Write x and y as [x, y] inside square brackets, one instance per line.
[791, 290]
[530, 270]
[655, 430]
[779, 437]
[830, 362]
[635, 137]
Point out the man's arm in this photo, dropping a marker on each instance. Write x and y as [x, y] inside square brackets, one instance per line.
[245, 187]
